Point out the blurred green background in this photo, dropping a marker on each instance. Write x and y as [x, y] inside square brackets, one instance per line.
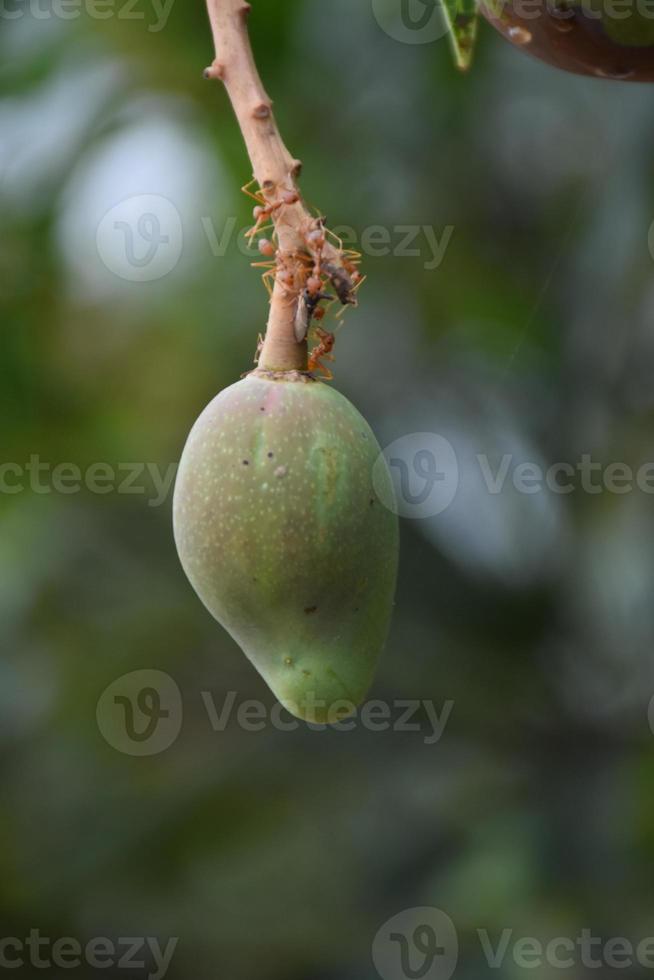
[274, 854]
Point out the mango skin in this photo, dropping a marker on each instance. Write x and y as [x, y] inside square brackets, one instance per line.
[587, 37]
[285, 541]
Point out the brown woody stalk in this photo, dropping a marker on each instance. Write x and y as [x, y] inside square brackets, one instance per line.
[276, 172]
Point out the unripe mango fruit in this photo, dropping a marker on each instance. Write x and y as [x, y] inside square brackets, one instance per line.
[284, 539]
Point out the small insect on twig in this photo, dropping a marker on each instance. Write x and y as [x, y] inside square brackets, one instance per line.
[308, 307]
[340, 269]
[341, 282]
[358, 281]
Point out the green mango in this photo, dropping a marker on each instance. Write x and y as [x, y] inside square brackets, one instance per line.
[284, 539]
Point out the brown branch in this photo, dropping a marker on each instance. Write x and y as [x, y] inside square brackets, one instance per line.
[276, 172]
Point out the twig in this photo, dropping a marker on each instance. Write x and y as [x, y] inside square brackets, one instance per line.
[276, 172]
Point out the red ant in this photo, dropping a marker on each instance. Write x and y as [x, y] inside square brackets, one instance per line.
[265, 209]
[276, 269]
[322, 351]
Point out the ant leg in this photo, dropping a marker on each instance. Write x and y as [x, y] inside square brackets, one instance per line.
[335, 239]
[327, 307]
[257, 228]
[326, 373]
[270, 270]
[255, 195]
[268, 279]
[262, 226]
